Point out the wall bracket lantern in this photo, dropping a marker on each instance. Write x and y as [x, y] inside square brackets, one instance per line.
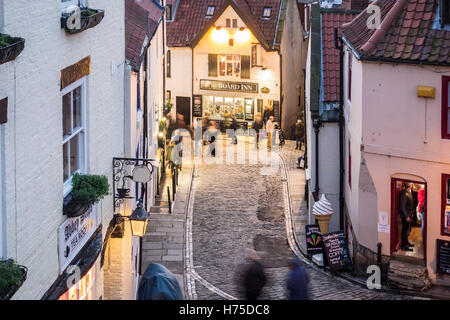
[138, 220]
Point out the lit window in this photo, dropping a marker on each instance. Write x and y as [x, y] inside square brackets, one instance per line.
[267, 12]
[445, 220]
[444, 12]
[73, 135]
[230, 65]
[168, 64]
[210, 11]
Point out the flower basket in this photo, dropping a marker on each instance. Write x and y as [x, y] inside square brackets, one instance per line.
[13, 275]
[10, 47]
[89, 19]
[73, 208]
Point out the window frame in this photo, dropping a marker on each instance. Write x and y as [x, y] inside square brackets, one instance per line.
[169, 64]
[264, 12]
[67, 185]
[445, 177]
[233, 66]
[169, 12]
[445, 107]
[66, 4]
[208, 10]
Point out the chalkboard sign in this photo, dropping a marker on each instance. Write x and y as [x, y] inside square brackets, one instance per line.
[314, 243]
[443, 256]
[336, 251]
[276, 111]
[197, 107]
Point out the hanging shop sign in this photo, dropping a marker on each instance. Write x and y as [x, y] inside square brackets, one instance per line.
[265, 90]
[75, 72]
[314, 243]
[74, 233]
[197, 108]
[443, 256]
[336, 251]
[228, 86]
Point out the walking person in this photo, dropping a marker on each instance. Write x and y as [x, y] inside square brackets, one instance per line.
[234, 126]
[257, 126]
[210, 135]
[251, 276]
[270, 127]
[297, 280]
[299, 134]
[406, 211]
[266, 115]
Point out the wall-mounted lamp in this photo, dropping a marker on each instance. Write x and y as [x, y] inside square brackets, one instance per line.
[243, 35]
[220, 35]
[138, 219]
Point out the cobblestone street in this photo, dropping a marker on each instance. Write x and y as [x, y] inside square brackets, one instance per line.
[242, 206]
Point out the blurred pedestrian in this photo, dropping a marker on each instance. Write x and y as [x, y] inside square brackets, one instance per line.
[270, 127]
[266, 115]
[234, 126]
[299, 134]
[258, 125]
[297, 280]
[252, 277]
[210, 135]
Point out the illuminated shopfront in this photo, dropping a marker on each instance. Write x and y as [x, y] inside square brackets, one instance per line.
[83, 289]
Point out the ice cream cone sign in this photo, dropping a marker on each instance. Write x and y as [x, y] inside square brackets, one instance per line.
[323, 210]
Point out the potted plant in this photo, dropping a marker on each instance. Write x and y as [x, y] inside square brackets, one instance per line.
[86, 190]
[12, 276]
[10, 47]
[89, 19]
[168, 107]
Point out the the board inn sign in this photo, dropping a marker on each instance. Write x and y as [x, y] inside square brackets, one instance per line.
[228, 86]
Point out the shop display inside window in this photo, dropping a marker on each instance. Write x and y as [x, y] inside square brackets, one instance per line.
[249, 109]
[219, 108]
[230, 66]
[446, 227]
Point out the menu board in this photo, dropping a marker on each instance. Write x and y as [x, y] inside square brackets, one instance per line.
[336, 251]
[276, 111]
[443, 256]
[197, 108]
[314, 243]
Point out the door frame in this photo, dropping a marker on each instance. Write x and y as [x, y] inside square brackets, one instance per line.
[189, 104]
[394, 215]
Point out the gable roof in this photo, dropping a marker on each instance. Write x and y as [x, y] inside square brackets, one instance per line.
[330, 55]
[190, 23]
[407, 34]
[142, 18]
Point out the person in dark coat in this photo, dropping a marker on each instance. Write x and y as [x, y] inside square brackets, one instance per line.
[234, 126]
[299, 134]
[252, 278]
[266, 114]
[406, 211]
[258, 125]
[297, 280]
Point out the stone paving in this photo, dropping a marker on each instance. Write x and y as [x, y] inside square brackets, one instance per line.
[240, 206]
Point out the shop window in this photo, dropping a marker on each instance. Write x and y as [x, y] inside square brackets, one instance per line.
[446, 107]
[445, 229]
[73, 111]
[267, 11]
[210, 11]
[229, 65]
[83, 289]
[221, 108]
[349, 94]
[168, 64]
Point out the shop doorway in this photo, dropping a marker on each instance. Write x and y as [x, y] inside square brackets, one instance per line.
[408, 196]
[184, 107]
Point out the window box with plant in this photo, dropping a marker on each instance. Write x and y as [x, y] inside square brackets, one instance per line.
[86, 190]
[10, 47]
[12, 276]
[89, 19]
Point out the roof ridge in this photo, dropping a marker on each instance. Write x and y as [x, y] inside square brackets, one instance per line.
[384, 26]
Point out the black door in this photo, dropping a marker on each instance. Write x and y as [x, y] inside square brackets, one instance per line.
[184, 107]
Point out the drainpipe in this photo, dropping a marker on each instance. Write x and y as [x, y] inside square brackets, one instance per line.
[340, 47]
[281, 90]
[316, 125]
[165, 52]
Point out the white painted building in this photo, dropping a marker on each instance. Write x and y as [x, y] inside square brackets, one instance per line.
[43, 84]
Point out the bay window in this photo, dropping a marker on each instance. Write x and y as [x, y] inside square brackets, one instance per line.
[74, 132]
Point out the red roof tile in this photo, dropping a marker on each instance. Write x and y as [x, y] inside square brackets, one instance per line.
[406, 33]
[141, 20]
[190, 20]
[330, 55]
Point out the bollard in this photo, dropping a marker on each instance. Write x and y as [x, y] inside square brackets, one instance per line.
[379, 262]
[174, 186]
[168, 198]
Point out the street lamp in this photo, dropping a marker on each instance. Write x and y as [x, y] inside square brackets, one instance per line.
[138, 220]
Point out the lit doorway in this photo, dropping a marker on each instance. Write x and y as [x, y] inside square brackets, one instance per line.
[408, 199]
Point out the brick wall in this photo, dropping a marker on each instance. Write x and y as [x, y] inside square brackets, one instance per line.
[33, 135]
